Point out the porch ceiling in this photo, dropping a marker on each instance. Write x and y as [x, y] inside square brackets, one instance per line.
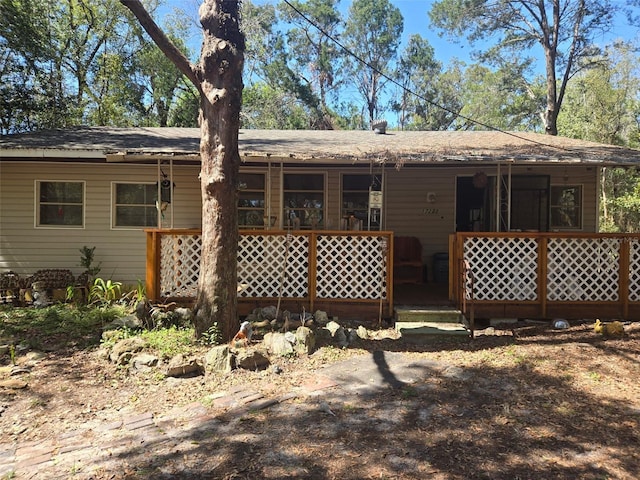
[298, 146]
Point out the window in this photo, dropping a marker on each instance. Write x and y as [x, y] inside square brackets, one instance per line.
[566, 206]
[251, 204]
[303, 196]
[59, 204]
[355, 200]
[529, 202]
[135, 205]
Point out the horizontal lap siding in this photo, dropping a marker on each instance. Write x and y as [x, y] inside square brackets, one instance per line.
[122, 253]
[408, 213]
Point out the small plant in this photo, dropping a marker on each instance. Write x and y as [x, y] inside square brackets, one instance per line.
[212, 336]
[87, 259]
[105, 292]
[134, 297]
[12, 354]
[71, 291]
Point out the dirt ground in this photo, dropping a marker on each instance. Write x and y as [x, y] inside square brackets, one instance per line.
[524, 401]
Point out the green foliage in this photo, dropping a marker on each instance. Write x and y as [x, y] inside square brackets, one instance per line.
[268, 107]
[59, 325]
[373, 31]
[169, 342]
[602, 103]
[104, 292]
[515, 29]
[212, 336]
[87, 258]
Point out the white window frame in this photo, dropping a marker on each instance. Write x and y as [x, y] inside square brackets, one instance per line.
[114, 206]
[36, 204]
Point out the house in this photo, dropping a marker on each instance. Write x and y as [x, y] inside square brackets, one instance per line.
[105, 187]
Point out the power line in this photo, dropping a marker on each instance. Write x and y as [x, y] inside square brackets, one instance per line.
[411, 92]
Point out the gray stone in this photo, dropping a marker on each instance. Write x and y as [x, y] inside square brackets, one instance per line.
[321, 317]
[4, 349]
[184, 315]
[181, 367]
[277, 344]
[130, 321]
[144, 360]
[252, 360]
[128, 345]
[268, 313]
[305, 340]
[218, 359]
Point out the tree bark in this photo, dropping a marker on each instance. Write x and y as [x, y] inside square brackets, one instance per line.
[221, 61]
[218, 78]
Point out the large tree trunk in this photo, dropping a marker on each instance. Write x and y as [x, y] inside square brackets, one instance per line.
[221, 62]
[218, 78]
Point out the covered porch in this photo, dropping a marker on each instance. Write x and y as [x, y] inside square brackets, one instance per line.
[490, 275]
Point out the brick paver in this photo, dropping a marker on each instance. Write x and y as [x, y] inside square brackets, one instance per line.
[85, 452]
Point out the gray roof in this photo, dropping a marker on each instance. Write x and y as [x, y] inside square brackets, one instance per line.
[340, 146]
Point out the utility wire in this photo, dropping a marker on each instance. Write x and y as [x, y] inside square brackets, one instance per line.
[411, 92]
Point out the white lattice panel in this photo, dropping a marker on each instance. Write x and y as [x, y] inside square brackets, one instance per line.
[179, 265]
[503, 268]
[634, 270]
[351, 267]
[583, 269]
[274, 265]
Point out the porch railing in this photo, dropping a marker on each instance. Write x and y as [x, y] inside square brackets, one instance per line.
[309, 266]
[547, 275]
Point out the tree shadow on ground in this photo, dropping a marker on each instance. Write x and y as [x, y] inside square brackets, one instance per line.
[422, 420]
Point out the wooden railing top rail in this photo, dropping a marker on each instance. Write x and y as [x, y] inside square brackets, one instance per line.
[546, 235]
[198, 231]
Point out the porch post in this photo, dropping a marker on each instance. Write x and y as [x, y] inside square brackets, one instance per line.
[152, 276]
[313, 267]
[542, 275]
[623, 268]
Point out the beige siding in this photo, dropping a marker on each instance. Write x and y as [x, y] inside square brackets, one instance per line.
[26, 248]
[407, 211]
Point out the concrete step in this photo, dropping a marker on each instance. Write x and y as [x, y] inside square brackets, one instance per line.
[433, 315]
[426, 331]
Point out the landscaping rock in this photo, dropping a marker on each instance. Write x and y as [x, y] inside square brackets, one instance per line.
[277, 344]
[268, 313]
[321, 317]
[144, 360]
[338, 335]
[124, 349]
[305, 340]
[130, 321]
[252, 360]
[181, 367]
[218, 359]
[362, 332]
[13, 384]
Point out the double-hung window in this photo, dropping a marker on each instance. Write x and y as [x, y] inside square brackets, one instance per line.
[59, 204]
[134, 205]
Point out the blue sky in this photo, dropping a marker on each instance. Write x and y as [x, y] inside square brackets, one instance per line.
[416, 20]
